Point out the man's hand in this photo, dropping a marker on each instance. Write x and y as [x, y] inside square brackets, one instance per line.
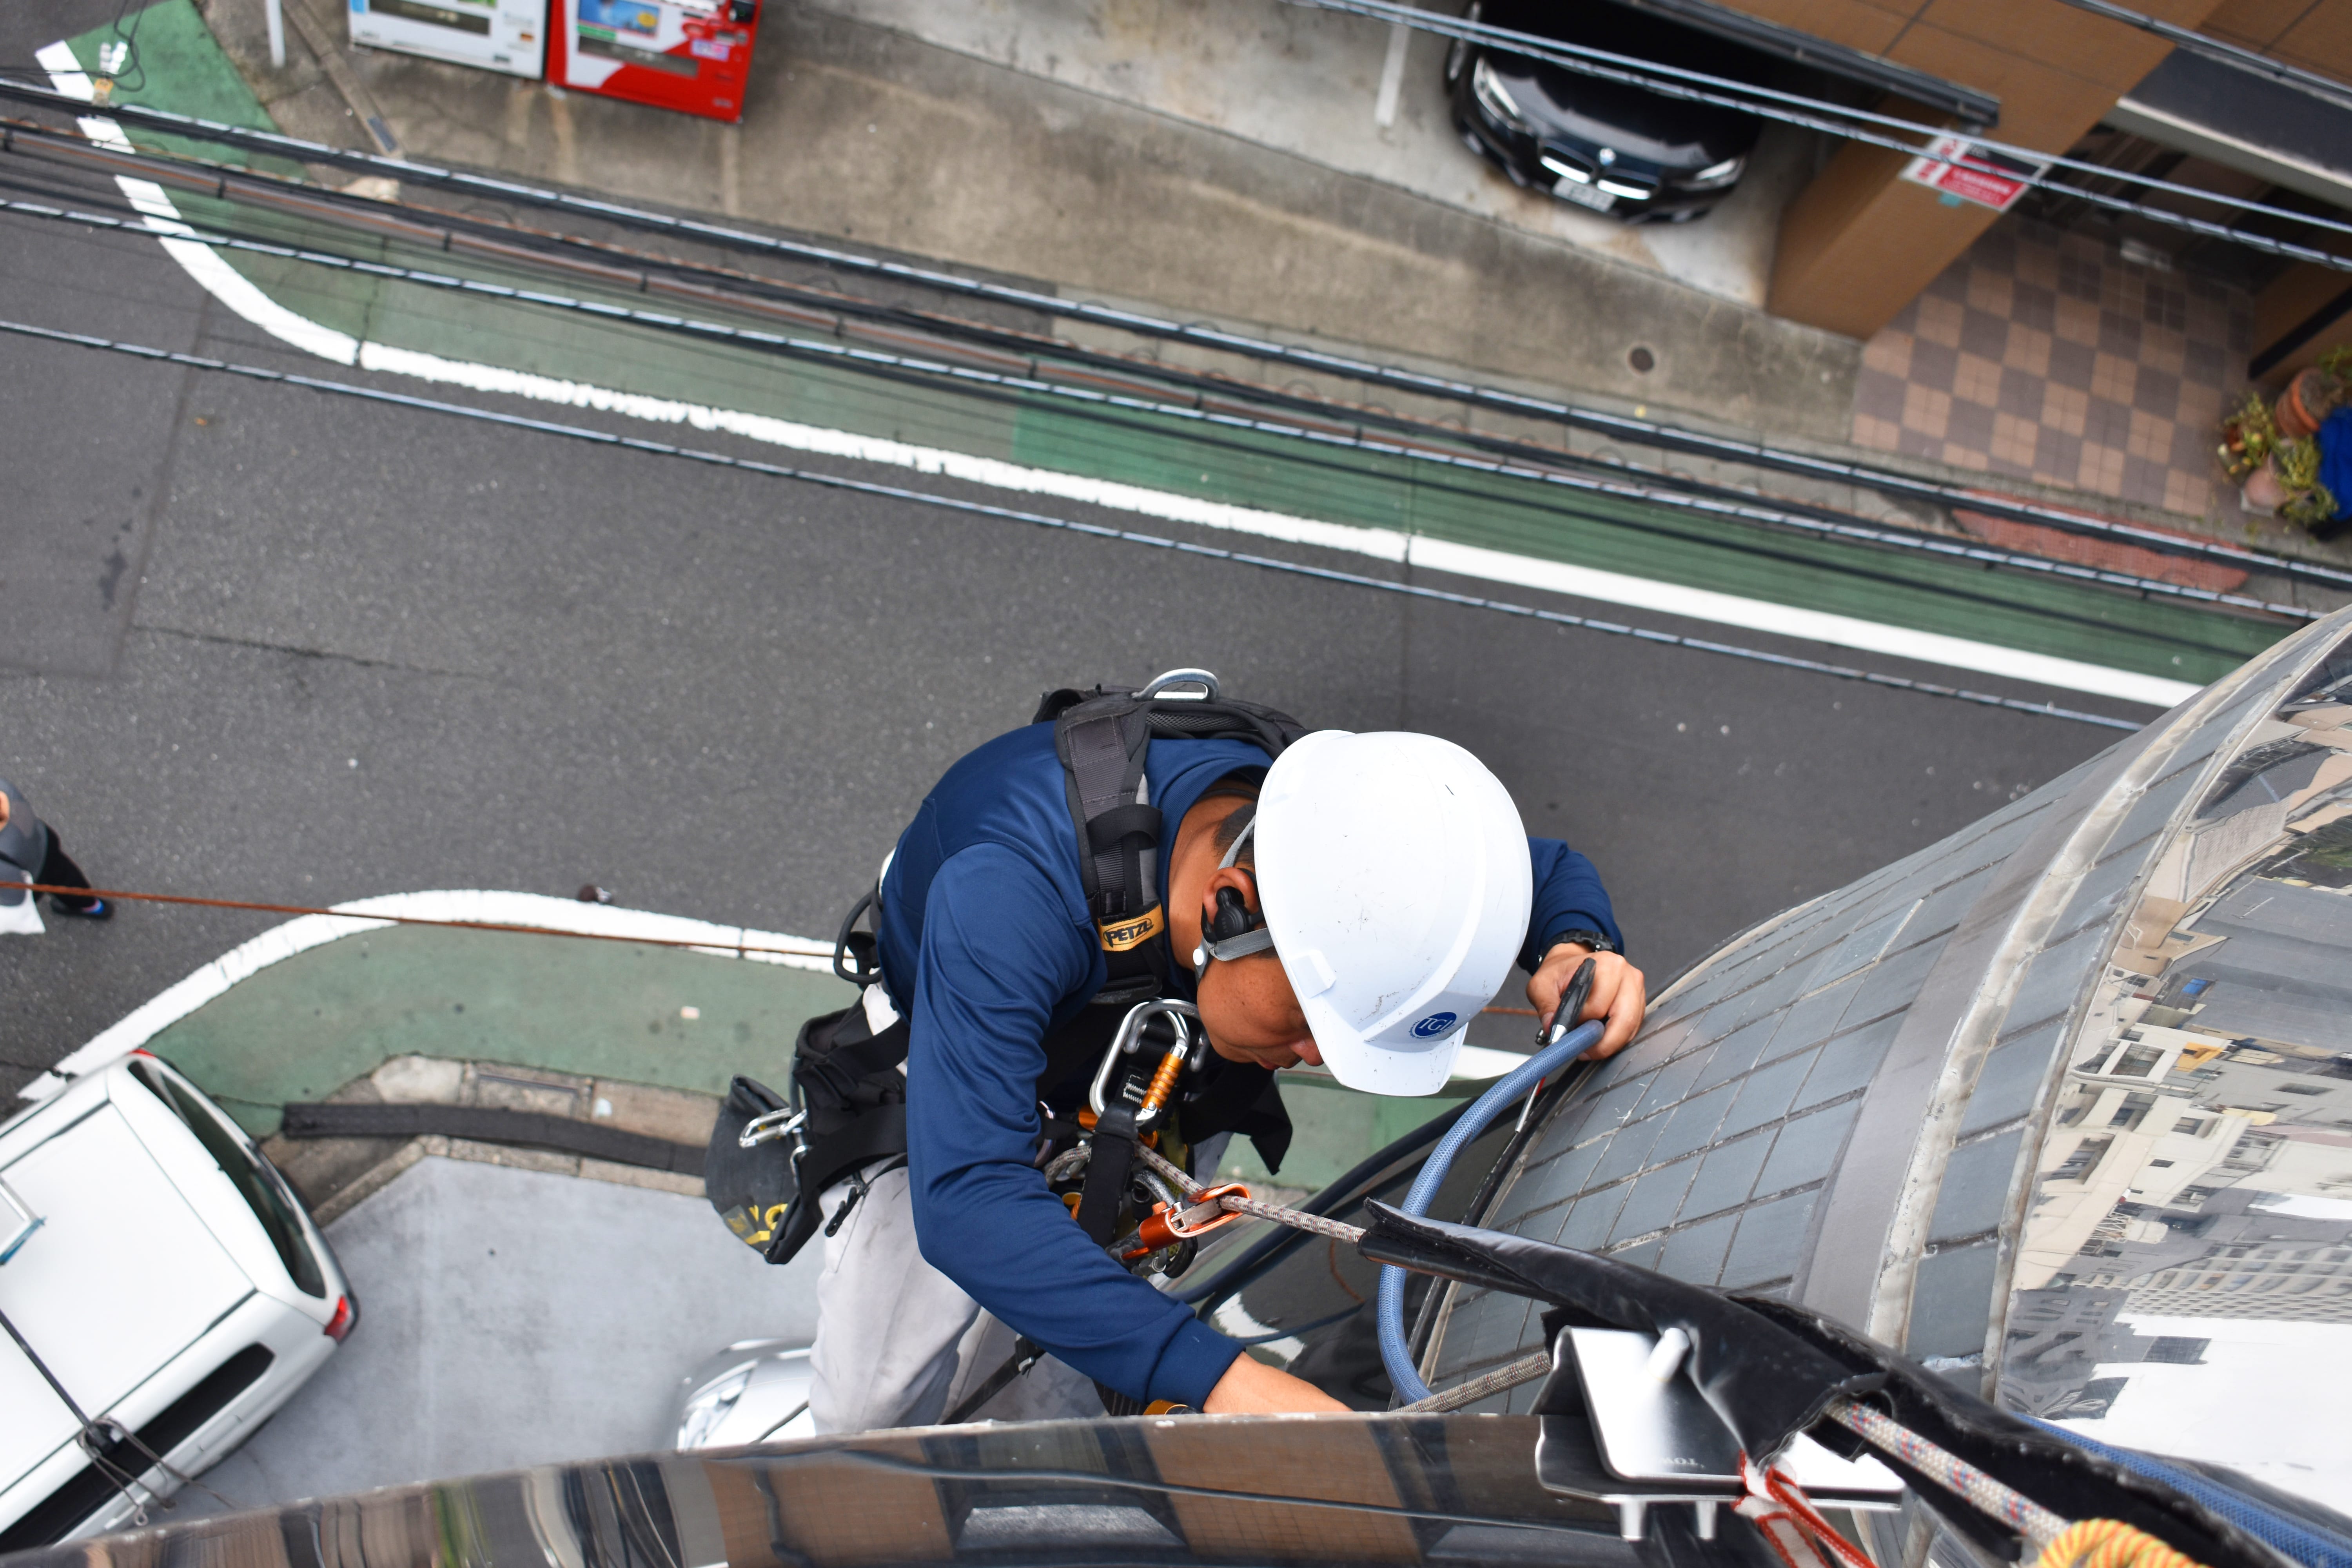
[1250, 1387]
[1620, 994]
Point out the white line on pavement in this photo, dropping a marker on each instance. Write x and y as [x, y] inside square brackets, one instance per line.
[479, 905]
[214, 275]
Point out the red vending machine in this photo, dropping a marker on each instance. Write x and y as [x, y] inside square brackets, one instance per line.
[693, 56]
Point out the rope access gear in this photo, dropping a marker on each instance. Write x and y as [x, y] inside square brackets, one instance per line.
[1790, 1523]
[1102, 737]
[2020, 1513]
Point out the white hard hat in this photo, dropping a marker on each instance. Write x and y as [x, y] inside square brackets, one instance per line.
[1392, 869]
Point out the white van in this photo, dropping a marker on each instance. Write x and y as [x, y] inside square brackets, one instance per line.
[165, 1275]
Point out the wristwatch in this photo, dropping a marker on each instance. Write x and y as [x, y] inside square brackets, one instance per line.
[1582, 938]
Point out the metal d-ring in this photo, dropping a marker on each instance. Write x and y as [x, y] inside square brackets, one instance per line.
[774, 1124]
[1201, 678]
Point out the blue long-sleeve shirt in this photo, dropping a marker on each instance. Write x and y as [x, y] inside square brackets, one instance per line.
[986, 948]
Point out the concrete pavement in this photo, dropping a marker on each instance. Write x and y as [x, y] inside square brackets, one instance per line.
[857, 130]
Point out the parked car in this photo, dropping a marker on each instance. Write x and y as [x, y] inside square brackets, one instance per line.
[167, 1278]
[754, 1391]
[1604, 145]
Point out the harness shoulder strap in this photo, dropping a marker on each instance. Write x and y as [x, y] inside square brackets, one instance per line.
[1102, 737]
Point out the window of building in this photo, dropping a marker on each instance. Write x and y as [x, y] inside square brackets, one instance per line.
[2159, 1164]
[2178, 1350]
[2191, 1125]
[2302, 1089]
[2085, 1157]
[2138, 1061]
[2098, 1396]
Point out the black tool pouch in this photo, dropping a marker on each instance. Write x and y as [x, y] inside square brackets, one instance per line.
[846, 1078]
[752, 1188]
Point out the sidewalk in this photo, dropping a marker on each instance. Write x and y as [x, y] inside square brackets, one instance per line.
[1222, 160]
[860, 132]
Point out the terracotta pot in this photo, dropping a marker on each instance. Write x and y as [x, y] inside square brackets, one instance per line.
[2307, 401]
[2263, 489]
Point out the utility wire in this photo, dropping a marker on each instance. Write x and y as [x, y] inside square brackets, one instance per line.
[1625, 428]
[1666, 438]
[1699, 87]
[1825, 524]
[2212, 48]
[1041, 520]
[1645, 74]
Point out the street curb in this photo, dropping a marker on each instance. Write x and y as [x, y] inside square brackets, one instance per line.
[468, 905]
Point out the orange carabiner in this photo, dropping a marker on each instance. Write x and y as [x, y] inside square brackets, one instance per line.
[1165, 1227]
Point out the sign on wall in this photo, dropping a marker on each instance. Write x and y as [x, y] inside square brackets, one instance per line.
[1965, 172]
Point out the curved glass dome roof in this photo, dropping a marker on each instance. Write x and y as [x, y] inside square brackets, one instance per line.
[2062, 1105]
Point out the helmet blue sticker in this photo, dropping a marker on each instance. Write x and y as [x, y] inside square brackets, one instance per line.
[1435, 1024]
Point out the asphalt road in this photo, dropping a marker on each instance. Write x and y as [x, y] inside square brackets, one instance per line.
[259, 643]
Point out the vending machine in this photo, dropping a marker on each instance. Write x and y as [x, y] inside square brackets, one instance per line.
[692, 56]
[508, 35]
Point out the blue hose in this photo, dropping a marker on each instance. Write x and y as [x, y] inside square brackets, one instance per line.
[1508, 1090]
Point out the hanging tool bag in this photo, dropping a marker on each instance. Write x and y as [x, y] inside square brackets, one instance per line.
[845, 1080]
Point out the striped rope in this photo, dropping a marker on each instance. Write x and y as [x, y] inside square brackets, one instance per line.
[1954, 1474]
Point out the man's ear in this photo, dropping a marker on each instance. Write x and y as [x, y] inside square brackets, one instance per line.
[1238, 877]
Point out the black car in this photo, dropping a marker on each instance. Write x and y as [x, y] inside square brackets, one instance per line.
[1602, 144]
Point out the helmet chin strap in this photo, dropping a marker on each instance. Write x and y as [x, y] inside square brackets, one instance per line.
[1234, 931]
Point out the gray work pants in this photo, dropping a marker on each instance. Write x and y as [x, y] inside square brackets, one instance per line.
[899, 1345]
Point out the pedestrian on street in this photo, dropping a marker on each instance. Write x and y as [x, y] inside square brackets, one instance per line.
[1116, 850]
[31, 851]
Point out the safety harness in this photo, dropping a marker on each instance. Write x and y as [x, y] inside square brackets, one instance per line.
[770, 1157]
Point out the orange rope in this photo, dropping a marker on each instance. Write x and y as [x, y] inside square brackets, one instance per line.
[2110, 1544]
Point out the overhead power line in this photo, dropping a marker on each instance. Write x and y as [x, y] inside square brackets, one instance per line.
[1619, 426]
[1794, 109]
[1812, 520]
[1041, 520]
[2212, 48]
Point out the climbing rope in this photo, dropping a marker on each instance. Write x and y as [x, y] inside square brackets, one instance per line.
[1947, 1469]
[1240, 1203]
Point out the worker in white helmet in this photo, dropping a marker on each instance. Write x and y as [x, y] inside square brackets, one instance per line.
[1347, 900]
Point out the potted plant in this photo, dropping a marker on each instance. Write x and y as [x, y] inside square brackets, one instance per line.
[2248, 436]
[2312, 510]
[2289, 484]
[2310, 396]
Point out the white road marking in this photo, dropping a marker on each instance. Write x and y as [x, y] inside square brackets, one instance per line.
[214, 275]
[485, 906]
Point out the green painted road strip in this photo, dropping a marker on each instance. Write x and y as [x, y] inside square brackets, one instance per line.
[303, 1027]
[1385, 506]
